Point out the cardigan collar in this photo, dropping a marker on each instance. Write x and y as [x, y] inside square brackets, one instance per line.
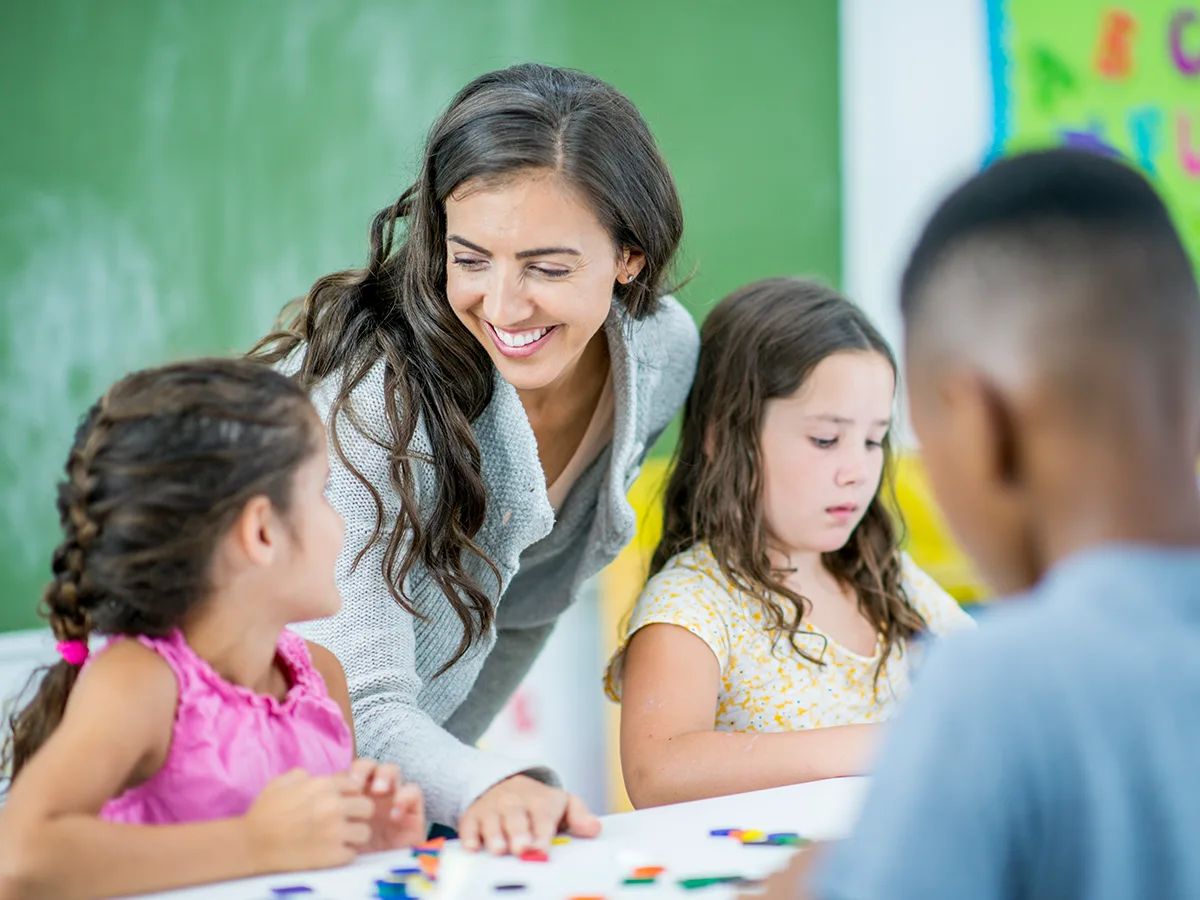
[513, 472]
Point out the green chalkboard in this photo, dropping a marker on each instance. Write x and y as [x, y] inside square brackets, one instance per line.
[172, 172]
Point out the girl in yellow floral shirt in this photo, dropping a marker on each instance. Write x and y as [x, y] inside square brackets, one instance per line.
[779, 624]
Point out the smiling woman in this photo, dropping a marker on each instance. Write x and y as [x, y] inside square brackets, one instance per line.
[491, 382]
[518, 299]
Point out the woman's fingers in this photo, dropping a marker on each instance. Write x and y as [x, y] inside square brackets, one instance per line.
[491, 832]
[515, 820]
[579, 820]
[468, 830]
[547, 817]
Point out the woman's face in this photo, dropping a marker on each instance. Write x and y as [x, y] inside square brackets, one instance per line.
[530, 271]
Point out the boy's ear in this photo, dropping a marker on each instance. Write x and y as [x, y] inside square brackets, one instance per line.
[982, 426]
[1002, 435]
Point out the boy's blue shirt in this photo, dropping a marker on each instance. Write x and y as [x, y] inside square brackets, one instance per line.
[1052, 754]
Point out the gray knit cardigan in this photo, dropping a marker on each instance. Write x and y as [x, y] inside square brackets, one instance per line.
[402, 712]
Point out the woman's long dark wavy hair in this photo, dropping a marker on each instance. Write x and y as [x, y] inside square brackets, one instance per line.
[758, 344]
[524, 118]
[160, 468]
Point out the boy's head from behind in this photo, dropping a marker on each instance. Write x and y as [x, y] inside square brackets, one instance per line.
[1053, 351]
[784, 444]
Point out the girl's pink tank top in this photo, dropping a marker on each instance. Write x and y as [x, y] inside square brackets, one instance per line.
[229, 741]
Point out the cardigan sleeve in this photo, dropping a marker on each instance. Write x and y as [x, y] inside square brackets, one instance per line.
[373, 638]
[507, 665]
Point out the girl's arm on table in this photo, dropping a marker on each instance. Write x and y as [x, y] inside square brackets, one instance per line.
[670, 752]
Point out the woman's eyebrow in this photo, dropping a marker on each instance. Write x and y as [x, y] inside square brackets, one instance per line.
[468, 244]
[548, 251]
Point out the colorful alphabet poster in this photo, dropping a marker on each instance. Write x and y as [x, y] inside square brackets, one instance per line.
[1119, 78]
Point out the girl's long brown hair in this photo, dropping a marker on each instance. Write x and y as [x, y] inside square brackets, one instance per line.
[160, 468]
[524, 118]
[761, 343]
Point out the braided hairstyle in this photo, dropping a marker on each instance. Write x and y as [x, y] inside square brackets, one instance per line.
[161, 467]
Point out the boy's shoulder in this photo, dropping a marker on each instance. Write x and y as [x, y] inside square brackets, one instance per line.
[1100, 627]
[1068, 697]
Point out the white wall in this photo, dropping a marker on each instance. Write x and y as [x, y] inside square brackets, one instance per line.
[916, 118]
[21, 652]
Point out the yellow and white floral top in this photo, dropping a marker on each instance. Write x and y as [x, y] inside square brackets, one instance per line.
[766, 685]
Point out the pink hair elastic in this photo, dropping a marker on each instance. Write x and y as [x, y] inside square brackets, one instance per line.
[75, 653]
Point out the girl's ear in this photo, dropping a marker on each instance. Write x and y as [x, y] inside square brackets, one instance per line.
[256, 533]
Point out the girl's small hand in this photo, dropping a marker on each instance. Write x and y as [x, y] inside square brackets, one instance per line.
[398, 818]
[301, 822]
[521, 813]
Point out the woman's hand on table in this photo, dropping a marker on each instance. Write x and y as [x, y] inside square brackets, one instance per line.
[398, 815]
[521, 813]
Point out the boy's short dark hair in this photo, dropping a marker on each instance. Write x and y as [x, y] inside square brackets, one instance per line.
[1087, 199]
[1068, 262]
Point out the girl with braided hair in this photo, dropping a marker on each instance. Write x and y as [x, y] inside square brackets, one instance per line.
[195, 530]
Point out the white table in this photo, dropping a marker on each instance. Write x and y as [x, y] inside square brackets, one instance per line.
[676, 837]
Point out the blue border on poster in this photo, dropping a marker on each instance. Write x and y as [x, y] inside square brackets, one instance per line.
[999, 64]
